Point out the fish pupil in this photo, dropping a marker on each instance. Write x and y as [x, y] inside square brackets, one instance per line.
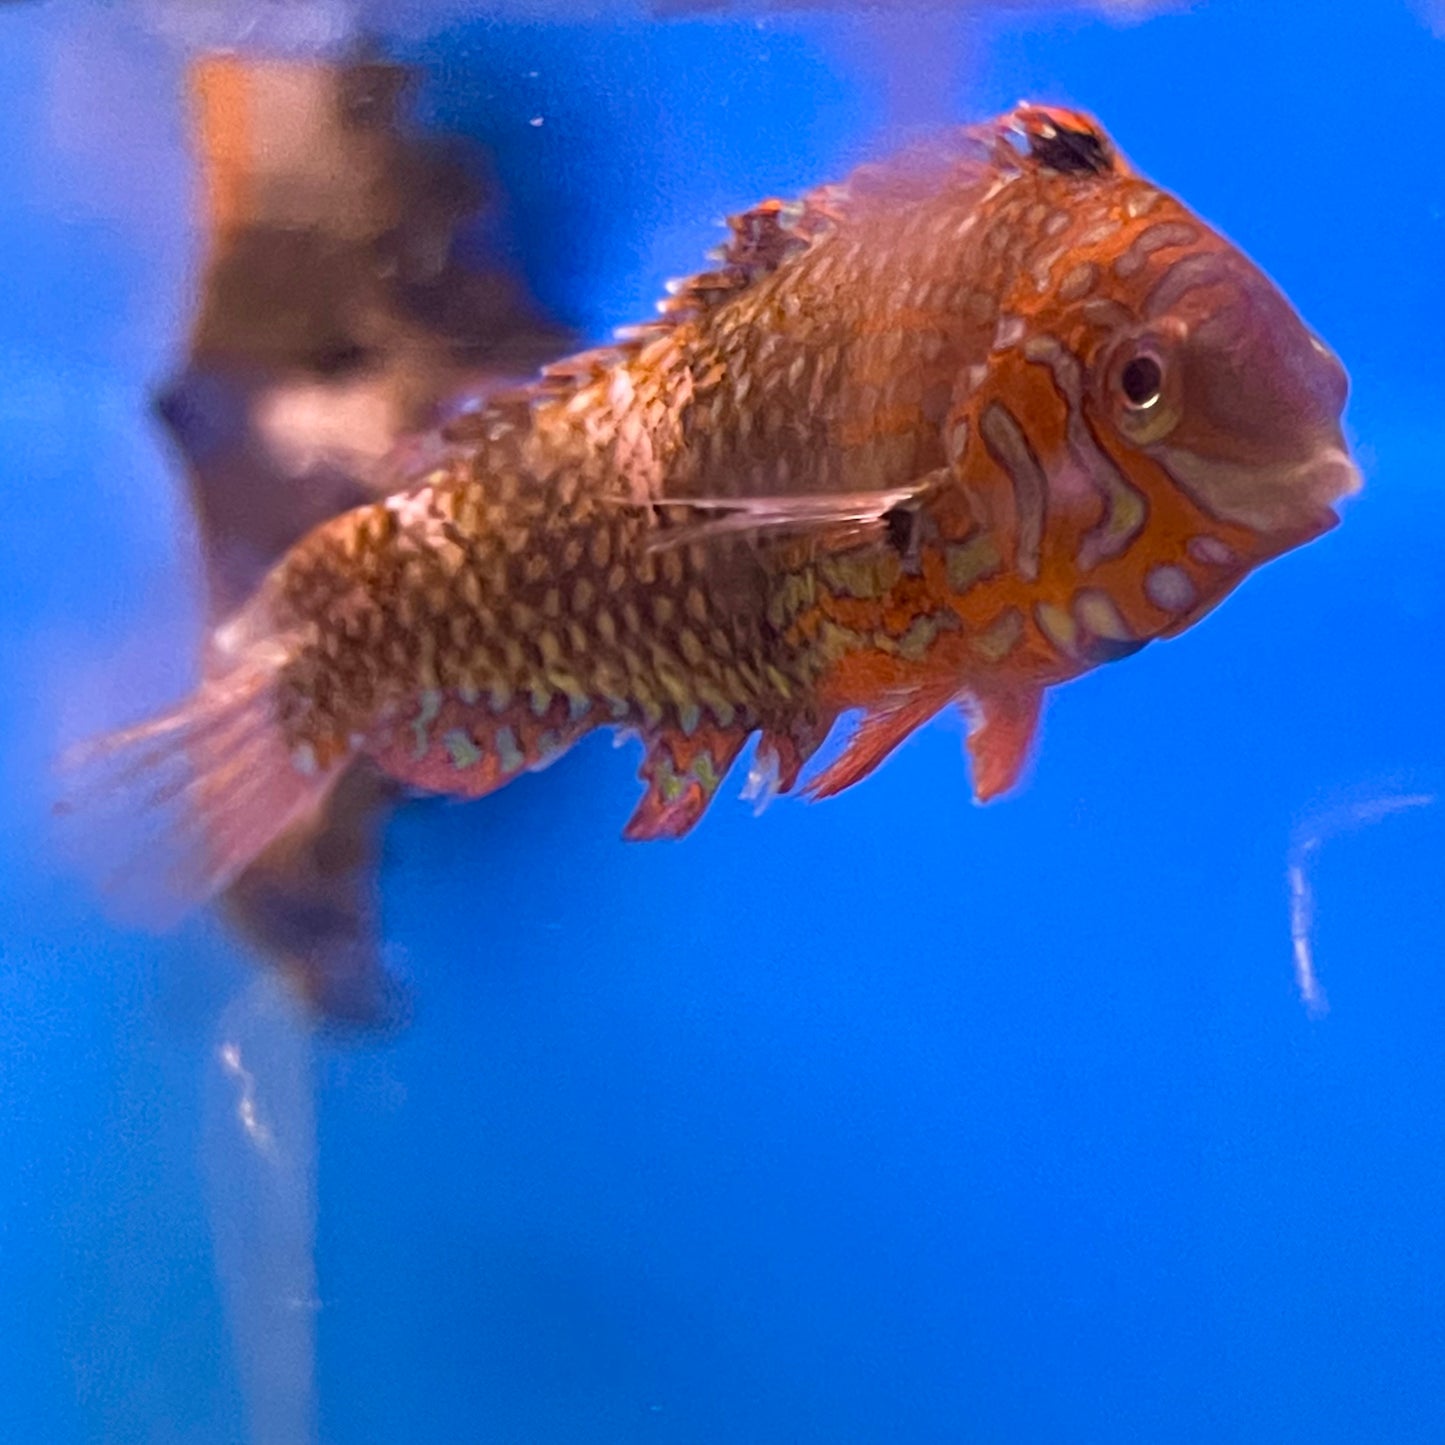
[1141, 380]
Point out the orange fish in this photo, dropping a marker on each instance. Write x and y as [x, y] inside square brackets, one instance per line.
[958, 430]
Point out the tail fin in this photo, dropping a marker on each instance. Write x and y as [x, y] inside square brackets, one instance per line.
[172, 810]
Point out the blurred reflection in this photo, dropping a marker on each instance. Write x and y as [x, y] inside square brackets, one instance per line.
[337, 315]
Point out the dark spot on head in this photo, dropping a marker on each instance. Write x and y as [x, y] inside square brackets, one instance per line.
[1113, 649]
[1064, 141]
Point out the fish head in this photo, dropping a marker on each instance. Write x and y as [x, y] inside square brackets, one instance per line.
[1153, 420]
[1212, 383]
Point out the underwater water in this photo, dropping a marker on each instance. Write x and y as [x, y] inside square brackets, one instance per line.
[884, 1119]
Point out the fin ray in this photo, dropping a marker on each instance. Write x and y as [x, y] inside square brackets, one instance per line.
[1003, 727]
[177, 807]
[851, 513]
[876, 738]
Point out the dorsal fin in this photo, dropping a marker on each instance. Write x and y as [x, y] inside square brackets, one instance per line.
[761, 240]
[766, 238]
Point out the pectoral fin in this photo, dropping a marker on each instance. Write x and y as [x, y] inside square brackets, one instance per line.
[848, 513]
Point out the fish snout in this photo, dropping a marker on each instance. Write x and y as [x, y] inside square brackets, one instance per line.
[1327, 379]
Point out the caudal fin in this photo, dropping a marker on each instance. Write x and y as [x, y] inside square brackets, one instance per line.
[170, 811]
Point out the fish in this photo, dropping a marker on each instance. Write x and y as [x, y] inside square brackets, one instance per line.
[952, 432]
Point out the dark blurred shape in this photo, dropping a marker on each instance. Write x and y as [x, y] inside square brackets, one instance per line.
[337, 315]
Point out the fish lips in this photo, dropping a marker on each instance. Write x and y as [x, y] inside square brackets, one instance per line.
[1284, 500]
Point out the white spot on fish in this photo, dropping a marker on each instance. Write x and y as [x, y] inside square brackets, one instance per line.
[762, 782]
[1211, 551]
[1169, 587]
[1011, 330]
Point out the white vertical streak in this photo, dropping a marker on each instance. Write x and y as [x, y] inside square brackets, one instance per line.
[258, 1152]
[1307, 842]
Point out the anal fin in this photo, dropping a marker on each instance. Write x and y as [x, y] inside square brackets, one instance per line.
[682, 772]
[880, 732]
[1004, 725]
[782, 754]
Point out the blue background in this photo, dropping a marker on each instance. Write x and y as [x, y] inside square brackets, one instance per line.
[889, 1119]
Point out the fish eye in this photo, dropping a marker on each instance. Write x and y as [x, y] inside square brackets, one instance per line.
[1142, 381]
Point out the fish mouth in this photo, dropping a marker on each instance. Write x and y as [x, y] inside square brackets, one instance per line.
[1275, 500]
[1331, 477]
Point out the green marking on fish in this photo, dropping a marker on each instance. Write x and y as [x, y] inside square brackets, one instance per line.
[853, 577]
[914, 643]
[835, 640]
[509, 755]
[431, 705]
[705, 771]
[999, 638]
[463, 751]
[722, 709]
[972, 561]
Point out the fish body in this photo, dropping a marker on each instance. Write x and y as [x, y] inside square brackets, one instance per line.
[961, 429]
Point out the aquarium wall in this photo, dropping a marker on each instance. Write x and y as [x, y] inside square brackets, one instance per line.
[1109, 1111]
